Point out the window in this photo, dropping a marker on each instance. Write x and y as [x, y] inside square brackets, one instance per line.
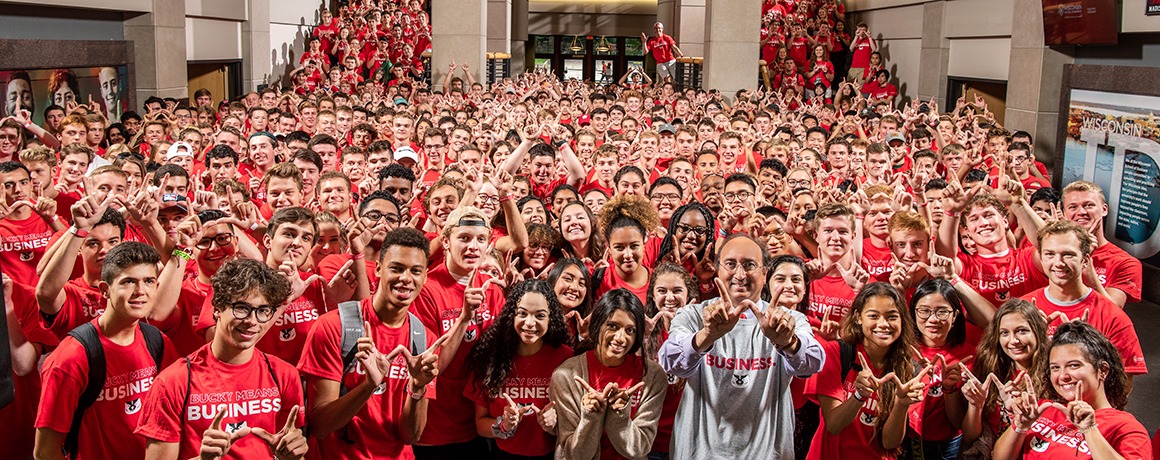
[633, 47]
[545, 44]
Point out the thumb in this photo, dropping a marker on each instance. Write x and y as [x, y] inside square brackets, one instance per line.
[262, 434]
[241, 433]
[548, 406]
[216, 424]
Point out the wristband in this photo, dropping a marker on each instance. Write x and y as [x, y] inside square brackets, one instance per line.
[505, 199]
[956, 280]
[78, 232]
[358, 256]
[950, 213]
[859, 216]
[498, 431]
[55, 218]
[859, 396]
[1018, 431]
[182, 253]
[417, 395]
[254, 227]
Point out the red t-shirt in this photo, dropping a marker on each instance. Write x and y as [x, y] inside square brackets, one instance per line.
[674, 390]
[612, 281]
[1105, 316]
[799, 49]
[878, 261]
[544, 191]
[286, 338]
[526, 384]
[1001, 276]
[329, 266]
[928, 419]
[249, 394]
[627, 374]
[873, 90]
[22, 244]
[854, 442]
[1118, 269]
[180, 324]
[17, 419]
[107, 426]
[830, 292]
[64, 202]
[82, 303]
[377, 425]
[861, 53]
[1052, 436]
[661, 48]
[451, 418]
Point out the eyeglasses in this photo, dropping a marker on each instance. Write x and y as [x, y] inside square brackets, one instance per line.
[222, 240]
[666, 197]
[263, 313]
[9, 137]
[487, 199]
[748, 266]
[798, 183]
[377, 216]
[941, 314]
[700, 231]
[433, 146]
[1018, 159]
[537, 249]
[738, 196]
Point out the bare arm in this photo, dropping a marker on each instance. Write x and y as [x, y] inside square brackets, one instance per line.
[329, 412]
[48, 444]
[837, 415]
[50, 294]
[512, 164]
[157, 450]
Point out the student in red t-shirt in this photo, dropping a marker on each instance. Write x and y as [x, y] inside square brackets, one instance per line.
[1120, 274]
[1013, 344]
[1082, 415]
[832, 294]
[864, 413]
[129, 282]
[626, 220]
[28, 339]
[373, 415]
[941, 333]
[577, 225]
[670, 288]
[875, 247]
[619, 420]
[543, 158]
[511, 368]
[1065, 249]
[440, 305]
[28, 222]
[225, 399]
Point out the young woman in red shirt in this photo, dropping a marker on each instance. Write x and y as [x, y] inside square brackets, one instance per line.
[864, 412]
[578, 227]
[941, 333]
[1014, 344]
[670, 288]
[690, 244]
[510, 371]
[626, 220]
[1082, 415]
[570, 280]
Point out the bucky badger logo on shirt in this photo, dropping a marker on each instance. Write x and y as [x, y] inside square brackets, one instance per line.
[132, 407]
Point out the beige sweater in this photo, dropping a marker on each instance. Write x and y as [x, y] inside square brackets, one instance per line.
[578, 431]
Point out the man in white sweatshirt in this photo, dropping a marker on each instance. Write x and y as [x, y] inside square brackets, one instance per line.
[739, 355]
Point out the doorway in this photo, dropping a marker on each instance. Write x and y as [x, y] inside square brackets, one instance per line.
[994, 93]
[222, 79]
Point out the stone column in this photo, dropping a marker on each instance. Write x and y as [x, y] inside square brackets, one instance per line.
[688, 25]
[459, 33]
[256, 65]
[519, 38]
[1033, 83]
[935, 55]
[732, 33]
[499, 26]
[159, 50]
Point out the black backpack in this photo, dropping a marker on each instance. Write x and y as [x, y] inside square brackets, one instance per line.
[351, 318]
[87, 335]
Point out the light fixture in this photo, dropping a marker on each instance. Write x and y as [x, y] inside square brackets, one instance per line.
[602, 46]
[576, 48]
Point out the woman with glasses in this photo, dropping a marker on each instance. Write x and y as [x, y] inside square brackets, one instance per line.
[543, 249]
[494, 198]
[689, 243]
[941, 333]
[626, 220]
[10, 140]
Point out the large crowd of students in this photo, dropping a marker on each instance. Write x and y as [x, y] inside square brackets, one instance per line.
[555, 269]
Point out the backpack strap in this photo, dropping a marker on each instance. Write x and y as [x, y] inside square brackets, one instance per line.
[87, 335]
[846, 354]
[350, 318]
[154, 342]
[418, 334]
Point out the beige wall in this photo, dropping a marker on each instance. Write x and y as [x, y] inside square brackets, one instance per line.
[1134, 19]
[290, 23]
[141, 6]
[212, 39]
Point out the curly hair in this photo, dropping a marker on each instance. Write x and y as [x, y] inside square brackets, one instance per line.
[1097, 350]
[490, 361]
[668, 244]
[628, 211]
[990, 358]
[898, 358]
[241, 277]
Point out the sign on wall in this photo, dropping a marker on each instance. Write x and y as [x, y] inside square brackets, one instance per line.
[1152, 8]
[35, 90]
[1113, 139]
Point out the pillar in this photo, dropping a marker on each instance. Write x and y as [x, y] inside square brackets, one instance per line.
[519, 38]
[256, 64]
[934, 58]
[687, 24]
[459, 33]
[499, 26]
[159, 50]
[732, 33]
[1033, 83]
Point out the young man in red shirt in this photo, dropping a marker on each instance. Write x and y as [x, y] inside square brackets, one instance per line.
[129, 282]
[384, 408]
[832, 294]
[27, 225]
[862, 47]
[543, 163]
[224, 398]
[664, 50]
[1065, 249]
[875, 247]
[1120, 274]
[451, 431]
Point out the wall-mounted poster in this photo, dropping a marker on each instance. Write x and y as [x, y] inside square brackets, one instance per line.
[35, 90]
[1113, 139]
[1153, 8]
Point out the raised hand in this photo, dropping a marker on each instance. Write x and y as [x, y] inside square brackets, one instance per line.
[621, 398]
[1025, 410]
[974, 390]
[345, 274]
[777, 324]
[651, 323]
[215, 442]
[581, 322]
[911, 392]
[856, 276]
[512, 414]
[546, 417]
[1063, 316]
[88, 211]
[374, 363]
[298, 285]
[1079, 412]
[866, 384]
[828, 328]
[289, 443]
[594, 400]
[720, 317]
